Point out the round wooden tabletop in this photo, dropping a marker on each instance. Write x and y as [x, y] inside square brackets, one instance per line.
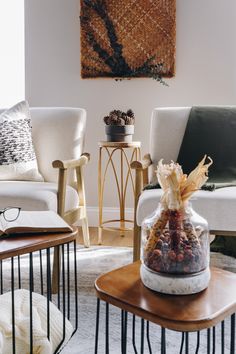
[11, 246]
[123, 288]
[119, 144]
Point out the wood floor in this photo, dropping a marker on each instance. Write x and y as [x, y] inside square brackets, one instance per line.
[110, 238]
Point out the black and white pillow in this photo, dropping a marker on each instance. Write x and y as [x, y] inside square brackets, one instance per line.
[17, 156]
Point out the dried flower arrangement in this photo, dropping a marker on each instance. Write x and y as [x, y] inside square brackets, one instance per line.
[174, 243]
[117, 117]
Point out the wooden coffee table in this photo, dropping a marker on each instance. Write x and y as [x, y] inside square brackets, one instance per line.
[26, 263]
[189, 313]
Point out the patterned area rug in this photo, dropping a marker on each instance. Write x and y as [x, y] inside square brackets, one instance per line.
[99, 259]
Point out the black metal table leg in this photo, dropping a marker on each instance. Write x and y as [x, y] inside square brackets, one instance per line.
[41, 270]
[107, 329]
[185, 339]
[222, 337]
[97, 326]
[19, 273]
[186, 342]
[76, 289]
[1, 278]
[232, 337]
[208, 340]
[163, 340]
[63, 290]
[48, 292]
[31, 287]
[148, 339]
[133, 335]
[68, 282]
[13, 307]
[198, 342]
[213, 340]
[124, 331]
[182, 344]
[142, 336]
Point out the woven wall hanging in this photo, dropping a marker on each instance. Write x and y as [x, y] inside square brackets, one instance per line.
[127, 38]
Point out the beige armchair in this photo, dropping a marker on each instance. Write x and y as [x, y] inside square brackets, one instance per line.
[166, 134]
[58, 138]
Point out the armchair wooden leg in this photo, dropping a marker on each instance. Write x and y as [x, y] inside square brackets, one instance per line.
[85, 231]
[99, 235]
[136, 242]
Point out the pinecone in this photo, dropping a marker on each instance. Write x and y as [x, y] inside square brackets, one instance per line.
[130, 113]
[129, 120]
[113, 119]
[116, 122]
[117, 117]
[119, 113]
[116, 112]
[121, 121]
[106, 120]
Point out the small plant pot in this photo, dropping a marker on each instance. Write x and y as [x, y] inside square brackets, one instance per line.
[119, 133]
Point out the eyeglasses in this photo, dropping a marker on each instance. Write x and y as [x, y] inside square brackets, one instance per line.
[10, 213]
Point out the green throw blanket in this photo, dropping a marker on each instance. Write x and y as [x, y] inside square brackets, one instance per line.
[211, 131]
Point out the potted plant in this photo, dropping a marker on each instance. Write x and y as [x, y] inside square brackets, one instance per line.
[119, 126]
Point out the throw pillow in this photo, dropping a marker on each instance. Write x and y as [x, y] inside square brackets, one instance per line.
[17, 156]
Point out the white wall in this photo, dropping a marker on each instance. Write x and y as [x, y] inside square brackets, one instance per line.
[12, 58]
[205, 69]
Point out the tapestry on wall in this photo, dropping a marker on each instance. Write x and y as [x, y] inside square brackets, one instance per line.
[127, 38]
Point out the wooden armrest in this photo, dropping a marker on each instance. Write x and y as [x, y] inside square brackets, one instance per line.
[141, 179]
[66, 164]
[142, 164]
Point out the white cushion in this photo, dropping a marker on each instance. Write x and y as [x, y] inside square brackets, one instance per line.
[17, 155]
[217, 207]
[58, 134]
[34, 195]
[166, 134]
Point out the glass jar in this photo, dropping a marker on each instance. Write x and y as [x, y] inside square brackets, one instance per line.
[175, 245]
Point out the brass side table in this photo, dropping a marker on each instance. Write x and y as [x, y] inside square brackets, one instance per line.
[127, 152]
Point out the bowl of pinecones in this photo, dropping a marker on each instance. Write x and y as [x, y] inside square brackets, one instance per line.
[119, 126]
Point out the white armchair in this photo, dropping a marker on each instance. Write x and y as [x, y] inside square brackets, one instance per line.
[167, 131]
[58, 138]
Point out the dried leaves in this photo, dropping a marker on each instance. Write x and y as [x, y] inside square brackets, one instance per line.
[177, 186]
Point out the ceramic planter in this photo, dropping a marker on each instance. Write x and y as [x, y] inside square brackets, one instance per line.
[119, 133]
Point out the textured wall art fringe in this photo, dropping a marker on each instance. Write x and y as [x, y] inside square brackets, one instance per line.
[128, 38]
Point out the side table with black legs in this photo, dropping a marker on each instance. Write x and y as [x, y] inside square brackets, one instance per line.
[203, 313]
[110, 153]
[25, 277]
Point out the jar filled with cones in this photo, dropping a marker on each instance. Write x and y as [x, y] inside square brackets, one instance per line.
[175, 239]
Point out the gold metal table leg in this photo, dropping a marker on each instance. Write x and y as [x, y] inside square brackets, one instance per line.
[121, 181]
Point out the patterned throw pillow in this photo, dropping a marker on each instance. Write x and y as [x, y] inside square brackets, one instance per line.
[17, 156]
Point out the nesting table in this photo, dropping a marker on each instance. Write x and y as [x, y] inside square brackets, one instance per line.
[26, 263]
[123, 288]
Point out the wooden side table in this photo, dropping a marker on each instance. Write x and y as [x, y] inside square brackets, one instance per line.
[127, 152]
[190, 313]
